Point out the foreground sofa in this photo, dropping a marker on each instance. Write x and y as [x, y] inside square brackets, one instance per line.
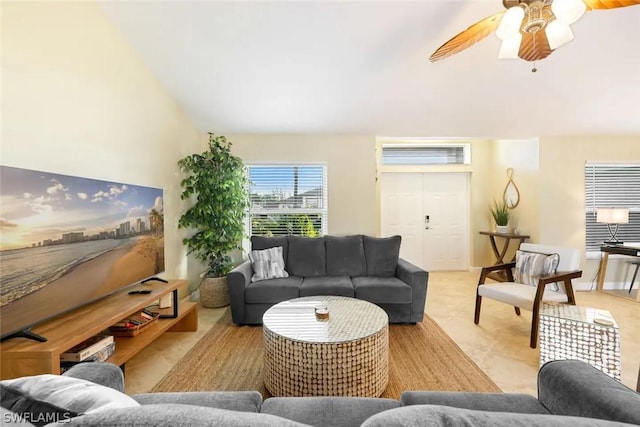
[364, 267]
[570, 393]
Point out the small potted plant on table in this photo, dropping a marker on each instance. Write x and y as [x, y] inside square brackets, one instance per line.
[501, 216]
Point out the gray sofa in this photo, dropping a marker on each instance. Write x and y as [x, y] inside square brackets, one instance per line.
[364, 267]
[570, 393]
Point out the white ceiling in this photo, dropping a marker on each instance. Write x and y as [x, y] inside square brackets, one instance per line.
[362, 67]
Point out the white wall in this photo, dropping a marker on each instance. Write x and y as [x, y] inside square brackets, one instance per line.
[77, 100]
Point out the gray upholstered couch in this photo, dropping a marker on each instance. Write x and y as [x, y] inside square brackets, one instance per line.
[364, 267]
[570, 393]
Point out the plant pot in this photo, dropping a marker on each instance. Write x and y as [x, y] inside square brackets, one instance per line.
[503, 229]
[213, 292]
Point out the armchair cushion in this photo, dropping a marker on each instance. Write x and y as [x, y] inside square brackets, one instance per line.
[518, 295]
[531, 265]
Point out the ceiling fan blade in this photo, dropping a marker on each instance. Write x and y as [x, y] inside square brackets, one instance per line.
[468, 37]
[534, 46]
[609, 4]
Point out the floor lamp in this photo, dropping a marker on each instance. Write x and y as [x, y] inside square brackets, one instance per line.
[612, 217]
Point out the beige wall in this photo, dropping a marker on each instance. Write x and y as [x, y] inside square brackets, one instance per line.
[77, 100]
[350, 168]
[562, 161]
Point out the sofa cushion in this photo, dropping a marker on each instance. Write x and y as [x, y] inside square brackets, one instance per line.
[273, 290]
[177, 415]
[382, 255]
[243, 401]
[327, 411]
[267, 264]
[49, 398]
[327, 285]
[306, 256]
[259, 243]
[345, 256]
[389, 290]
[497, 402]
[444, 416]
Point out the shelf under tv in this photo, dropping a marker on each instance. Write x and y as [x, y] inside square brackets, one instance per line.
[22, 356]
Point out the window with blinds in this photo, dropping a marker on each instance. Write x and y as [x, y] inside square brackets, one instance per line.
[431, 154]
[288, 199]
[610, 185]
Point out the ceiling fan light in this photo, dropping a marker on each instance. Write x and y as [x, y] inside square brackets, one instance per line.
[510, 47]
[510, 23]
[558, 34]
[568, 11]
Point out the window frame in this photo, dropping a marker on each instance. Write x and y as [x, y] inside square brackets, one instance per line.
[323, 212]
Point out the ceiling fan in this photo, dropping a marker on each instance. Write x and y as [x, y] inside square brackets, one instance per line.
[528, 29]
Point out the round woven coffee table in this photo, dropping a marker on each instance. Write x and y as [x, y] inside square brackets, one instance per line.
[344, 355]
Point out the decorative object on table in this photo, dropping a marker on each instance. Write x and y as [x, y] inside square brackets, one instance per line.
[582, 333]
[501, 215]
[612, 217]
[539, 280]
[511, 194]
[217, 186]
[134, 324]
[528, 29]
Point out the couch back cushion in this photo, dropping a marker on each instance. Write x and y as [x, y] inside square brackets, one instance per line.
[345, 256]
[382, 255]
[306, 256]
[259, 243]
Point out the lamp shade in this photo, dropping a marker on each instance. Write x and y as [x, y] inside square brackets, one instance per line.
[558, 34]
[510, 23]
[612, 215]
[510, 47]
[568, 11]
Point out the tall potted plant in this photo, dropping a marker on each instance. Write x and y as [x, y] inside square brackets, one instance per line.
[217, 185]
[501, 216]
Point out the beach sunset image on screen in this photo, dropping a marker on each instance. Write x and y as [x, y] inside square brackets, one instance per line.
[66, 241]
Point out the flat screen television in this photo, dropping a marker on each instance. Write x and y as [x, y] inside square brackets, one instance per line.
[66, 241]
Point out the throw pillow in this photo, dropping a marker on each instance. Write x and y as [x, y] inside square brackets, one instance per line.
[382, 255]
[43, 399]
[267, 264]
[531, 265]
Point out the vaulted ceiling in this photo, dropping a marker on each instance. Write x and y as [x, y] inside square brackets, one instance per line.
[360, 67]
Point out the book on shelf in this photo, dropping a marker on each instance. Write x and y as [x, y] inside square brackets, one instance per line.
[100, 356]
[87, 348]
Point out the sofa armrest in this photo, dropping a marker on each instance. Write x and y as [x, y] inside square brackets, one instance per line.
[417, 278]
[495, 402]
[237, 280]
[102, 373]
[575, 388]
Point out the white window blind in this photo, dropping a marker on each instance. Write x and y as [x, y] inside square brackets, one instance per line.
[432, 154]
[288, 199]
[610, 185]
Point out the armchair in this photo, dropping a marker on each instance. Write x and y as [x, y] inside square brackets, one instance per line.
[537, 280]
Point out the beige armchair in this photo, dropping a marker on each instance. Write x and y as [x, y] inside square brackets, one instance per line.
[540, 273]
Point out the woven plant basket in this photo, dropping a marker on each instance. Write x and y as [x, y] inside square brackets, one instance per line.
[213, 292]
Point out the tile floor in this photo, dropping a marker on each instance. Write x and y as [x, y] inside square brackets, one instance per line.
[499, 344]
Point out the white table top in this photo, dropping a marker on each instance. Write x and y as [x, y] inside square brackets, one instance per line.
[578, 314]
[349, 319]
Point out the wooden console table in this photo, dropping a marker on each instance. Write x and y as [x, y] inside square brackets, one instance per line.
[22, 357]
[500, 254]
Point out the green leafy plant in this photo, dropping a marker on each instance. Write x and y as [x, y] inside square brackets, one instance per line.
[217, 184]
[500, 213]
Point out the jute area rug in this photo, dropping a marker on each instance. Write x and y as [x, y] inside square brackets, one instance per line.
[421, 357]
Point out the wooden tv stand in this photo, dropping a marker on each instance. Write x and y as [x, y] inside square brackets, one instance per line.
[22, 357]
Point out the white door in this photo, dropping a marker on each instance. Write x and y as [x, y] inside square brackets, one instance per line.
[431, 213]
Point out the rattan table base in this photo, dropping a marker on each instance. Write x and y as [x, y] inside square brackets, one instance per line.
[349, 367]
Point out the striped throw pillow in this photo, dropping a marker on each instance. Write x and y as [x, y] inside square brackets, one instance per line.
[267, 264]
[531, 265]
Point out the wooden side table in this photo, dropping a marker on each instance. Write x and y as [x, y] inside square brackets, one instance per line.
[500, 254]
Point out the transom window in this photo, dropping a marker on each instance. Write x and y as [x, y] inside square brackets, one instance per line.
[611, 185]
[426, 154]
[288, 199]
